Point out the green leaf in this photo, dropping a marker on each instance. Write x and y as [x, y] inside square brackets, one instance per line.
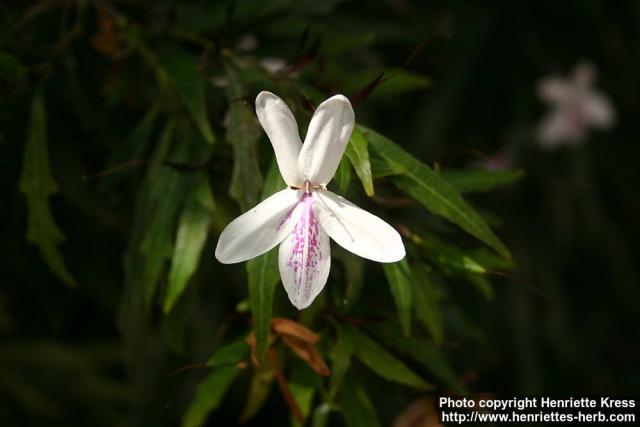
[37, 185]
[342, 177]
[356, 407]
[341, 361]
[229, 354]
[450, 258]
[425, 302]
[192, 235]
[358, 153]
[258, 392]
[160, 202]
[209, 395]
[380, 168]
[243, 133]
[263, 279]
[421, 351]
[478, 180]
[492, 261]
[482, 284]
[264, 276]
[382, 362]
[354, 278]
[437, 195]
[399, 278]
[182, 69]
[302, 384]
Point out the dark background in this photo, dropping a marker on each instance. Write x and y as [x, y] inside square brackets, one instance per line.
[564, 323]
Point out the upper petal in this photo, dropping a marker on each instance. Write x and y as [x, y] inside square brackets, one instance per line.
[555, 90]
[357, 230]
[281, 128]
[304, 256]
[259, 229]
[327, 137]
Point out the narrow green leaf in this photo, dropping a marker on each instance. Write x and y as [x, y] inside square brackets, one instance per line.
[341, 361]
[382, 362]
[355, 406]
[482, 284]
[425, 302]
[209, 395]
[259, 389]
[229, 354]
[358, 153]
[264, 276]
[182, 69]
[354, 278]
[422, 352]
[243, 133]
[159, 205]
[491, 261]
[160, 202]
[343, 175]
[437, 195]
[192, 235]
[399, 278]
[449, 258]
[37, 185]
[380, 168]
[263, 280]
[479, 180]
[303, 382]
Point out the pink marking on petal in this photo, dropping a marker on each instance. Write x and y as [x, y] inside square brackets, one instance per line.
[306, 253]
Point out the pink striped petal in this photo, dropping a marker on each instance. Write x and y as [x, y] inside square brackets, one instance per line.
[304, 257]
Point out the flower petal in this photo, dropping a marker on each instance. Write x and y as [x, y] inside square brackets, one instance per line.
[281, 128]
[598, 110]
[304, 257]
[558, 128]
[327, 137]
[555, 90]
[259, 229]
[357, 230]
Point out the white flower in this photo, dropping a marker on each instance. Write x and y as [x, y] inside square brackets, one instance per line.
[273, 65]
[575, 107]
[302, 217]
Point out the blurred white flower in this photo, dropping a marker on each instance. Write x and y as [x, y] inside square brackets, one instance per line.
[274, 65]
[302, 217]
[576, 106]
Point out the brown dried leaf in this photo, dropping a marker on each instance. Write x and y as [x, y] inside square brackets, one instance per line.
[420, 413]
[251, 340]
[289, 328]
[307, 352]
